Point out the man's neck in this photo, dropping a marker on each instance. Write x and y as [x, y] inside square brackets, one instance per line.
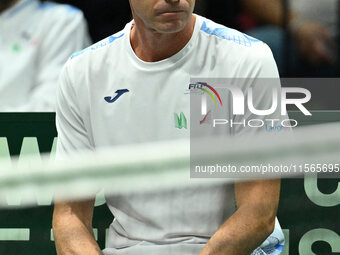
[150, 46]
[5, 4]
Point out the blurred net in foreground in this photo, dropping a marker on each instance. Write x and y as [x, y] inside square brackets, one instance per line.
[162, 165]
[308, 211]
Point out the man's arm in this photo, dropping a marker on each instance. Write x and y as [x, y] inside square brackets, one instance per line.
[72, 228]
[251, 224]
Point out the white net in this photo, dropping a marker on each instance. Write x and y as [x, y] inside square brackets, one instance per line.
[161, 165]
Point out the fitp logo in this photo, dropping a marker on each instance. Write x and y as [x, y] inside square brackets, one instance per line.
[206, 88]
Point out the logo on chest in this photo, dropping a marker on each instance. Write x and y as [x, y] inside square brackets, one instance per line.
[119, 93]
[180, 121]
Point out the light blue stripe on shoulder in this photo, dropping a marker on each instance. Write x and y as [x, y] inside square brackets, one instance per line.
[229, 34]
[48, 5]
[98, 45]
[52, 5]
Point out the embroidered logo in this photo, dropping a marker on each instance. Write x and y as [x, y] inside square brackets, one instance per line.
[119, 93]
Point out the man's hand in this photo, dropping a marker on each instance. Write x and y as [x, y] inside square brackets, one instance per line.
[72, 228]
[314, 43]
[251, 224]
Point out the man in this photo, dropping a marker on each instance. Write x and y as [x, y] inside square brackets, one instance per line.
[35, 41]
[125, 90]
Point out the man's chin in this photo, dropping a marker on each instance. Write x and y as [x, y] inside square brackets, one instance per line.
[170, 27]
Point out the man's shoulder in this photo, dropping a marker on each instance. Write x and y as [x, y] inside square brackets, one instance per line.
[95, 57]
[240, 48]
[234, 37]
[96, 50]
